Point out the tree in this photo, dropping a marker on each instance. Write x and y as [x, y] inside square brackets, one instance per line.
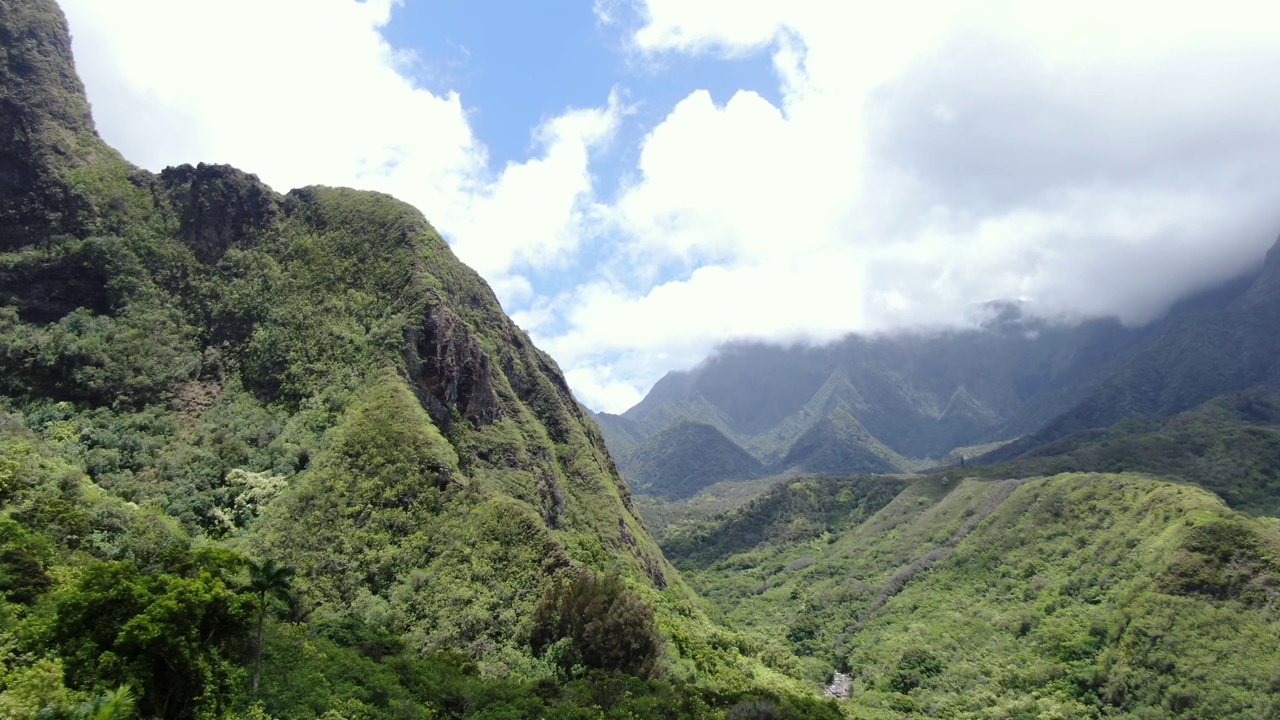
[115, 704]
[603, 625]
[268, 579]
[170, 635]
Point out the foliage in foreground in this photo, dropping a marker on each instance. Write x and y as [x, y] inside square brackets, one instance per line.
[100, 595]
[595, 622]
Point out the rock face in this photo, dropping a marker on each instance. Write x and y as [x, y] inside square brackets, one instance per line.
[45, 127]
[840, 686]
[220, 205]
[449, 370]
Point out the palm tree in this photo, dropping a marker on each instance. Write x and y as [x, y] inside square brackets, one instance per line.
[268, 579]
[112, 705]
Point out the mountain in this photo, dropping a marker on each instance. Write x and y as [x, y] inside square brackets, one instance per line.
[283, 455]
[1193, 358]
[837, 443]
[685, 457]
[893, 403]
[1229, 445]
[621, 435]
[48, 131]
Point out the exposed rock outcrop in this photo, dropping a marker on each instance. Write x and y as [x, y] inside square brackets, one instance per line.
[449, 369]
[219, 205]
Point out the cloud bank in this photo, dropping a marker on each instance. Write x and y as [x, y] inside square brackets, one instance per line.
[1086, 158]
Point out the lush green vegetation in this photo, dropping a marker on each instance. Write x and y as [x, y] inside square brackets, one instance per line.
[99, 594]
[284, 456]
[1070, 596]
[685, 457]
[664, 517]
[1230, 445]
[793, 512]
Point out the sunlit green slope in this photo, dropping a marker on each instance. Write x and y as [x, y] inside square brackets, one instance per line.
[1089, 595]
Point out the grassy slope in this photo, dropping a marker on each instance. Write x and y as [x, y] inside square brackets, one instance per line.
[1229, 445]
[1069, 596]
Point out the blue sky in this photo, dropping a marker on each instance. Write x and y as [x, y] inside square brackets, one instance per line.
[517, 64]
[642, 180]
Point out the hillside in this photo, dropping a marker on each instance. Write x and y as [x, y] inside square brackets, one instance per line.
[1064, 596]
[283, 455]
[1229, 445]
[1195, 358]
[684, 458]
[837, 443]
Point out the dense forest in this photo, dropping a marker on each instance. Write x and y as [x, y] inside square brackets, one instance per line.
[283, 456]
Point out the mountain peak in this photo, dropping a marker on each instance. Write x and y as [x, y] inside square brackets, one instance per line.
[1266, 288]
[45, 126]
[686, 457]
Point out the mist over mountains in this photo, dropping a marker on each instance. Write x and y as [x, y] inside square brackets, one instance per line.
[900, 402]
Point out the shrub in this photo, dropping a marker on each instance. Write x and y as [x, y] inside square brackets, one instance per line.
[603, 626]
[915, 666]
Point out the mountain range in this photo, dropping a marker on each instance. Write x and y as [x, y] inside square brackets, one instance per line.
[223, 407]
[906, 401]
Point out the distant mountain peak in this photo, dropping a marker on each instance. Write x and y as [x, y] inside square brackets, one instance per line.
[1007, 316]
[1266, 287]
[685, 457]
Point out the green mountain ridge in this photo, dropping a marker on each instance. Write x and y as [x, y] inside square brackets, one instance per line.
[1087, 595]
[1049, 585]
[199, 375]
[1229, 445]
[684, 458]
[1195, 358]
[918, 398]
[837, 443]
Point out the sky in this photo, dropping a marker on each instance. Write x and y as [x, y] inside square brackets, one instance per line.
[643, 180]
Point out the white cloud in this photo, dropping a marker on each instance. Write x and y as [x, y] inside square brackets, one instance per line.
[729, 26]
[1087, 158]
[298, 91]
[537, 212]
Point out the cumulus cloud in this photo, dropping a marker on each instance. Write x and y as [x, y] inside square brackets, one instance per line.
[1084, 158]
[537, 212]
[298, 91]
